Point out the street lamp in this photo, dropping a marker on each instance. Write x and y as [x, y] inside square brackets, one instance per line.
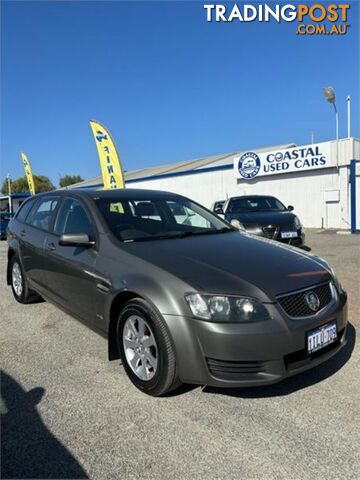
[329, 93]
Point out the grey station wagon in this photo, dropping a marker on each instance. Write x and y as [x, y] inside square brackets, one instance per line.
[181, 295]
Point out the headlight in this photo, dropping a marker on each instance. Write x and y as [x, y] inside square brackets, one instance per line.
[235, 223]
[221, 308]
[336, 281]
[297, 223]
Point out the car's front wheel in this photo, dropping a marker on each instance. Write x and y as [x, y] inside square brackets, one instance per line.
[19, 284]
[146, 349]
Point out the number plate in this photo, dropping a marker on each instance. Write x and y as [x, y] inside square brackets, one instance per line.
[289, 234]
[321, 337]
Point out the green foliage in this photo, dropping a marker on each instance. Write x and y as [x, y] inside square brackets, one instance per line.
[69, 180]
[42, 184]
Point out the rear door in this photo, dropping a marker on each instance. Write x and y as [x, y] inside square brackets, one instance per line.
[32, 235]
[71, 273]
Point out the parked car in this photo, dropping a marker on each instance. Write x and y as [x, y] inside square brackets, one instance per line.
[218, 205]
[265, 216]
[196, 302]
[5, 218]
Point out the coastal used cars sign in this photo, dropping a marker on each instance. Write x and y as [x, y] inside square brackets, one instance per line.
[250, 165]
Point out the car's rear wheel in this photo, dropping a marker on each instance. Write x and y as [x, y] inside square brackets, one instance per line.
[146, 348]
[19, 284]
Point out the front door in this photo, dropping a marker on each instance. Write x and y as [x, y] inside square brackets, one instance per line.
[71, 273]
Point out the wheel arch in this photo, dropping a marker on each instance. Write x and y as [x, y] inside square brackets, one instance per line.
[11, 253]
[117, 305]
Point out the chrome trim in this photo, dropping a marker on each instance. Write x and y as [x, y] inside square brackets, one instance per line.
[102, 288]
[294, 292]
[334, 299]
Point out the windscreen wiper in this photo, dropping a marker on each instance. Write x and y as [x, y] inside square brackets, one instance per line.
[145, 239]
[180, 235]
[202, 232]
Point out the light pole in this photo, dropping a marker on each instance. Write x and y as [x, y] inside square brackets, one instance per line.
[348, 101]
[329, 93]
[9, 191]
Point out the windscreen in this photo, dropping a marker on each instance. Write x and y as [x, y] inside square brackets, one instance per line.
[150, 218]
[255, 204]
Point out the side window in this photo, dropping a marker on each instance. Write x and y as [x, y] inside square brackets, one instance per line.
[184, 215]
[24, 210]
[44, 212]
[73, 218]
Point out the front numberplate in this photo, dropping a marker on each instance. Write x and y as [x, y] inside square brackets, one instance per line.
[321, 337]
[289, 234]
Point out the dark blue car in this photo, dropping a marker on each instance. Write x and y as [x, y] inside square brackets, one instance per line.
[265, 216]
[5, 218]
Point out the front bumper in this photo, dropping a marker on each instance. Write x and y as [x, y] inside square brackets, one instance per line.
[243, 355]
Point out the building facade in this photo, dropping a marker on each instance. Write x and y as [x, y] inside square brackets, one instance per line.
[319, 180]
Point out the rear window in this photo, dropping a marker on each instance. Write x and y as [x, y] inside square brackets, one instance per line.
[24, 210]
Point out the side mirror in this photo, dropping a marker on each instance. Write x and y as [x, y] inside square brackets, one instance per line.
[290, 208]
[76, 240]
[219, 210]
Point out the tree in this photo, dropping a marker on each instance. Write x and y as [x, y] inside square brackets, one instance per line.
[20, 185]
[69, 180]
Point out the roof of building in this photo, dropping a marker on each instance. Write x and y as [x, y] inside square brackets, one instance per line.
[215, 162]
[16, 195]
[125, 193]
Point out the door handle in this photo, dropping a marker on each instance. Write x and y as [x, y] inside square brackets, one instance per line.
[22, 233]
[51, 246]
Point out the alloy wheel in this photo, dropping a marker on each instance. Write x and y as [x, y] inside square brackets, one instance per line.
[17, 279]
[140, 347]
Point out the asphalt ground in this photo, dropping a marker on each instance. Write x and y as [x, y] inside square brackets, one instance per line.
[69, 413]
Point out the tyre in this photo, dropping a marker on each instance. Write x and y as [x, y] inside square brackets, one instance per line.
[19, 284]
[146, 349]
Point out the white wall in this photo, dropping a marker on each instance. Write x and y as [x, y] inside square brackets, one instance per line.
[358, 196]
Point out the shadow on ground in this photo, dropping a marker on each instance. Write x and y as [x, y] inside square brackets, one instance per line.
[28, 448]
[290, 385]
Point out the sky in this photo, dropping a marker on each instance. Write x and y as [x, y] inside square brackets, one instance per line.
[168, 85]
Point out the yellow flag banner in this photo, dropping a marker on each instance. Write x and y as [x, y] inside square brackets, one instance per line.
[111, 170]
[28, 173]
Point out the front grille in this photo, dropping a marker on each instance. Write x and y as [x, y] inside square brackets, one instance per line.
[295, 304]
[234, 370]
[270, 232]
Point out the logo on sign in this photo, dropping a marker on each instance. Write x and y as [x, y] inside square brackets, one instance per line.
[312, 301]
[100, 136]
[249, 165]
